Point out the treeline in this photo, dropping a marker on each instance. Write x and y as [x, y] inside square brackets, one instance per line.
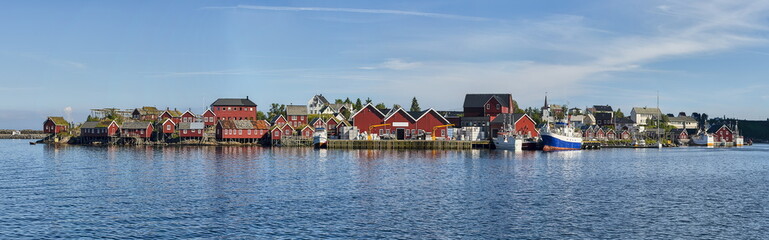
[280, 109]
[24, 131]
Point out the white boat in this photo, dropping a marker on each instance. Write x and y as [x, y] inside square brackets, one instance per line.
[319, 138]
[508, 142]
[703, 139]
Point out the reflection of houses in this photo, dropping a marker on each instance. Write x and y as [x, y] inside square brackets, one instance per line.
[683, 122]
[640, 115]
[55, 125]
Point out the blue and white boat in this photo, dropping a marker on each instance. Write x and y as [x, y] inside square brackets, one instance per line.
[561, 137]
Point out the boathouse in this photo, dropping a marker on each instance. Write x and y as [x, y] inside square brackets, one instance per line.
[188, 116]
[191, 130]
[99, 129]
[278, 120]
[307, 131]
[721, 133]
[477, 105]
[366, 117]
[137, 129]
[55, 125]
[234, 109]
[209, 117]
[174, 115]
[237, 130]
[168, 126]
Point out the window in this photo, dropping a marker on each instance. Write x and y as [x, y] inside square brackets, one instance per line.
[293, 118]
[488, 106]
[168, 127]
[240, 132]
[443, 132]
[381, 132]
[249, 132]
[413, 131]
[498, 106]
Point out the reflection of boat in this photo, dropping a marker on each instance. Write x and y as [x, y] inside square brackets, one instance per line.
[560, 138]
[319, 138]
[531, 144]
[703, 139]
[32, 143]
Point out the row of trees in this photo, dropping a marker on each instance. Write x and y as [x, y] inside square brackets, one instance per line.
[280, 109]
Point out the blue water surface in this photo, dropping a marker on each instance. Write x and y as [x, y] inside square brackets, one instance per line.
[253, 192]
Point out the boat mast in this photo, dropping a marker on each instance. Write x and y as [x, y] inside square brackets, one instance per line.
[659, 115]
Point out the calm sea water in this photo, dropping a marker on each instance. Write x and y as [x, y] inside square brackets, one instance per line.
[253, 192]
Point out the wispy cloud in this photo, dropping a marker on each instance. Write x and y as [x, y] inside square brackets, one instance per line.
[354, 10]
[394, 64]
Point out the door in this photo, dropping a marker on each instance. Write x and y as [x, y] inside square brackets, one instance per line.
[400, 133]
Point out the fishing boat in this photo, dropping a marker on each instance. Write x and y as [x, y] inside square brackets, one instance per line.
[319, 138]
[507, 139]
[703, 139]
[560, 137]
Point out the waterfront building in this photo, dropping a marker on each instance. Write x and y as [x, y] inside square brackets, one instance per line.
[209, 118]
[278, 120]
[141, 129]
[234, 109]
[279, 131]
[522, 124]
[188, 116]
[317, 123]
[721, 133]
[168, 126]
[99, 129]
[307, 131]
[239, 130]
[55, 125]
[604, 115]
[296, 115]
[191, 130]
[366, 117]
[683, 122]
[625, 123]
[174, 115]
[477, 105]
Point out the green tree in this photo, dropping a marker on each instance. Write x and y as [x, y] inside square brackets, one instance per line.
[381, 106]
[396, 106]
[260, 115]
[358, 104]
[276, 109]
[347, 101]
[368, 100]
[415, 105]
[619, 114]
[338, 101]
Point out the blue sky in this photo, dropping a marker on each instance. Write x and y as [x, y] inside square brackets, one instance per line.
[65, 57]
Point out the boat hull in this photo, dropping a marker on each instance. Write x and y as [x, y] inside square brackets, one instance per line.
[554, 142]
[510, 144]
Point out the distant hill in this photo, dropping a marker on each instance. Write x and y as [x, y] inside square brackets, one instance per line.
[756, 130]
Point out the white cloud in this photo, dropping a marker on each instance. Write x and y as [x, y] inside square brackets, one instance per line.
[394, 64]
[354, 10]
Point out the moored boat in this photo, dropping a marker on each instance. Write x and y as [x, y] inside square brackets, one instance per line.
[319, 138]
[703, 139]
[560, 138]
[508, 142]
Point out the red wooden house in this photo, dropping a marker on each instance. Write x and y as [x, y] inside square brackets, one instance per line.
[401, 125]
[99, 129]
[427, 120]
[234, 109]
[611, 134]
[318, 123]
[296, 115]
[168, 126]
[600, 134]
[191, 130]
[188, 116]
[137, 129]
[588, 133]
[174, 115]
[237, 130]
[278, 131]
[209, 117]
[262, 127]
[523, 124]
[307, 131]
[367, 116]
[721, 133]
[625, 135]
[55, 125]
[331, 126]
[477, 105]
[278, 120]
[146, 114]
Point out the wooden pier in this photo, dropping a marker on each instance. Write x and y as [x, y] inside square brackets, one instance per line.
[405, 144]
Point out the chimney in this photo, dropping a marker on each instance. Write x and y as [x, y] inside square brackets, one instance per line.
[246, 97]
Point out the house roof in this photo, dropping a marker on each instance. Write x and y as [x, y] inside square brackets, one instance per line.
[188, 111]
[715, 128]
[173, 113]
[191, 125]
[136, 125]
[296, 110]
[681, 119]
[478, 100]
[234, 102]
[58, 120]
[312, 122]
[321, 99]
[275, 118]
[147, 110]
[392, 113]
[96, 124]
[281, 126]
[261, 124]
[237, 124]
[365, 107]
[647, 110]
[688, 131]
[602, 108]
[624, 120]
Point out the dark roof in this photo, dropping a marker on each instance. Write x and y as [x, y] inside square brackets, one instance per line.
[234, 102]
[477, 100]
[603, 108]
[688, 131]
[715, 128]
[296, 110]
[322, 99]
[624, 120]
[416, 115]
[275, 118]
[602, 116]
[312, 122]
[96, 124]
[135, 125]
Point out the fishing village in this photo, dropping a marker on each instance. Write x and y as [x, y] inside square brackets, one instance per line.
[487, 121]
